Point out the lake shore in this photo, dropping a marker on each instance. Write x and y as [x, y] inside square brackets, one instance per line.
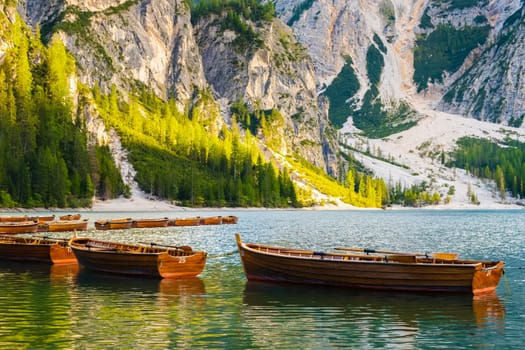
[150, 205]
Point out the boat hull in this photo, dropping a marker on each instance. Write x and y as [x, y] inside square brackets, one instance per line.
[36, 250]
[64, 226]
[18, 227]
[70, 217]
[116, 224]
[150, 223]
[325, 269]
[15, 218]
[187, 222]
[211, 220]
[141, 261]
[230, 219]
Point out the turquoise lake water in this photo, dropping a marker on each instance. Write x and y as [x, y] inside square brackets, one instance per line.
[53, 307]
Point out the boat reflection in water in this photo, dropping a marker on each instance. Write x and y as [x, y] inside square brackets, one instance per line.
[111, 283]
[60, 273]
[344, 315]
[36, 271]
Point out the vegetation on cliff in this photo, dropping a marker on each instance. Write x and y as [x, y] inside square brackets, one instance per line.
[504, 163]
[44, 156]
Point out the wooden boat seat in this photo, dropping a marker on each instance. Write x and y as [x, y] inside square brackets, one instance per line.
[445, 256]
[403, 258]
[99, 248]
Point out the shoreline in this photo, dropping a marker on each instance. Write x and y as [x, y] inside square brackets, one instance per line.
[147, 205]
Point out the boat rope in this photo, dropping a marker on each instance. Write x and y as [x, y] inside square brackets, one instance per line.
[506, 282]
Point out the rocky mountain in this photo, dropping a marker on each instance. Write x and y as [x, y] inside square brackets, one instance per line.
[405, 60]
[155, 44]
[463, 57]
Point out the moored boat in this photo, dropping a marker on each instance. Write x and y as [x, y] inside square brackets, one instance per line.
[380, 270]
[37, 249]
[114, 224]
[152, 260]
[195, 221]
[211, 220]
[64, 225]
[15, 218]
[14, 227]
[149, 223]
[230, 219]
[44, 218]
[70, 217]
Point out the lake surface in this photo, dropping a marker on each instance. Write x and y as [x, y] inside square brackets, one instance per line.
[43, 307]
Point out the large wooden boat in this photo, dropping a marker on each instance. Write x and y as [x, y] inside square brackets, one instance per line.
[70, 217]
[152, 260]
[37, 249]
[211, 220]
[149, 223]
[195, 221]
[114, 224]
[230, 219]
[373, 270]
[14, 227]
[64, 225]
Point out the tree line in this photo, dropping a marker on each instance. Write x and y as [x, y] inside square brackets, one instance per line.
[502, 162]
[45, 160]
[192, 158]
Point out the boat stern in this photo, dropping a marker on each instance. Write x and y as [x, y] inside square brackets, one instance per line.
[486, 278]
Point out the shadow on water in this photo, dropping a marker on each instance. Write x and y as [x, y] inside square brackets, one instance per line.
[365, 319]
[112, 283]
[39, 271]
[401, 306]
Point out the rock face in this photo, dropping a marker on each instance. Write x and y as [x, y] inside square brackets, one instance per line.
[491, 85]
[126, 43]
[488, 83]
[277, 75]
[153, 43]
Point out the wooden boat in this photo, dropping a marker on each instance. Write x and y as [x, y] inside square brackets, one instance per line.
[211, 220]
[381, 270]
[148, 223]
[37, 249]
[15, 218]
[153, 260]
[69, 217]
[114, 224]
[65, 225]
[230, 219]
[9, 227]
[44, 218]
[195, 221]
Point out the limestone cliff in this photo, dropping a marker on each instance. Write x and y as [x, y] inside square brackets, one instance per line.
[153, 43]
[275, 75]
[126, 43]
[482, 79]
